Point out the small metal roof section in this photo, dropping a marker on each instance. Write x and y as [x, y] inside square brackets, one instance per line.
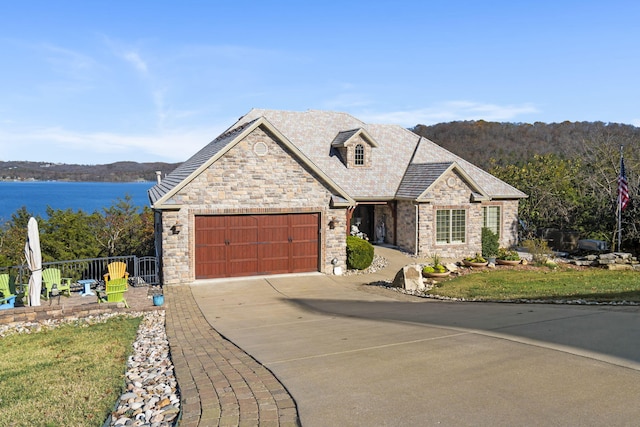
[343, 138]
[420, 178]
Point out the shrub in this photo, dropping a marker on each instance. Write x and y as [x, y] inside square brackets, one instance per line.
[490, 243]
[359, 253]
[427, 269]
[539, 250]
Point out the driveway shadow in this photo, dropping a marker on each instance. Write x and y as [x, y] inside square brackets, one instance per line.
[608, 331]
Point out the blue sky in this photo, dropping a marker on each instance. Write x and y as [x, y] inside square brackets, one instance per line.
[96, 82]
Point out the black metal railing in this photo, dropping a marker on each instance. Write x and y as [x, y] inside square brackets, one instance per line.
[142, 270]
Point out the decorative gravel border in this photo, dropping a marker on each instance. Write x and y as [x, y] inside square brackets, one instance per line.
[151, 395]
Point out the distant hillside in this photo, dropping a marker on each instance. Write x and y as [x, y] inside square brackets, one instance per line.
[113, 172]
[478, 142]
[508, 143]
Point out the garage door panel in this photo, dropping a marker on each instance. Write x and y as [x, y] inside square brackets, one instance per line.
[274, 235]
[241, 245]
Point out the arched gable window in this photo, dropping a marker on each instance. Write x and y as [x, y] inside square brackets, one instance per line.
[359, 155]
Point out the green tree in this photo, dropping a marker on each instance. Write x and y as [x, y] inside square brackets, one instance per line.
[601, 158]
[67, 235]
[552, 184]
[13, 236]
[123, 230]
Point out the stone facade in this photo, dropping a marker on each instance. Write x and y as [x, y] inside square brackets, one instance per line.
[258, 171]
[348, 153]
[406, 215]
[257, 176]
[417, 234]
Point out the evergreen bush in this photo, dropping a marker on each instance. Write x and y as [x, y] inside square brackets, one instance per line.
[359, 253]
[490, 243]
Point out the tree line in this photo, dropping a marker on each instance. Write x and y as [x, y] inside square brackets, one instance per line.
[569, 170]
[112, 172]
[121, 229]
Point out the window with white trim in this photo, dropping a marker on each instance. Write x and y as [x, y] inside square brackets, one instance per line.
[491, 218]
[359, 155]
[451, 226]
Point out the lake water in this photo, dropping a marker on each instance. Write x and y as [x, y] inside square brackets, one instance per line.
[86, 196]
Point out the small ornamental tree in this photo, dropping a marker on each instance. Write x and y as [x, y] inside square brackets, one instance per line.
[490, 243]
[359, 253]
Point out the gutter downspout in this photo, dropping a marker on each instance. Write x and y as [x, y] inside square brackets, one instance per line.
[416, 231]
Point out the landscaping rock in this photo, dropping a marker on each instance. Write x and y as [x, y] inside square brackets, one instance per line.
[611, 260]
[619, 267]
[409, 278]
[452, 267]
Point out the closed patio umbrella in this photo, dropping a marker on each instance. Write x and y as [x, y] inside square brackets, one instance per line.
[34, 261]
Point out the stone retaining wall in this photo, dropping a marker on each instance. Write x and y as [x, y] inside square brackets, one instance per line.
[47, 312]
[611, 261]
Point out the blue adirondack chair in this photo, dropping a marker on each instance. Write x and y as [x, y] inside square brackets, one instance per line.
[8, 297]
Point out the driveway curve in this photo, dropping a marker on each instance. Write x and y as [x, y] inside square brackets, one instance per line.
[356, 355]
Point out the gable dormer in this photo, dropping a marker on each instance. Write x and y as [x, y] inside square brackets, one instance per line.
[355, 147]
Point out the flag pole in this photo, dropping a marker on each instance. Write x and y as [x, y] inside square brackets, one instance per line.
[619, 227]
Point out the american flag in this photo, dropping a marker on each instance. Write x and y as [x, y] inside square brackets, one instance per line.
[623, 188]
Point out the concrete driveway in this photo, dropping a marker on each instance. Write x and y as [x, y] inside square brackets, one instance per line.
[354, 355]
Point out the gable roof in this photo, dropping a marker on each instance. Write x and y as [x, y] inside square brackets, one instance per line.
[161, 194]
[397, 162]
[494, 188]
[185, 170]
[421, 177]
[343, 138]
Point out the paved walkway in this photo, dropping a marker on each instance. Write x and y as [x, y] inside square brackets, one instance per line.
[220, 384]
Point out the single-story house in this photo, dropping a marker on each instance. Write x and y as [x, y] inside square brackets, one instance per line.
[279, 191]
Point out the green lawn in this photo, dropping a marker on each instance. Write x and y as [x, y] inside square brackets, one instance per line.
[67, 376]
[508, 284]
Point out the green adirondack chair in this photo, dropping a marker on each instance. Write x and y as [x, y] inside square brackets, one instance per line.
[8, 298]
[52, 276]
[114, 291]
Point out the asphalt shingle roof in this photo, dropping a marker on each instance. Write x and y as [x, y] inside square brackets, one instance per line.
[419, 177]
[402, 162]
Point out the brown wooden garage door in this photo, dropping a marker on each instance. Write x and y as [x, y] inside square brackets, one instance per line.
[247, 245]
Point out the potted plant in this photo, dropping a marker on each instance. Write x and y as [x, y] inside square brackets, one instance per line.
[508, 257]
[477, 261]
[437, 270]
[490, 243]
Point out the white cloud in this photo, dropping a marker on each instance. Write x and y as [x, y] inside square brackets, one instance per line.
[66, 146]
[134, 59]
[68, 61]
[449, 111]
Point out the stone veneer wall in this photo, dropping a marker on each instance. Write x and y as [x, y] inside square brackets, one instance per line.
[50, 312]
[452, 192]
[406, 217]
[244, 182]
[509, 231]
